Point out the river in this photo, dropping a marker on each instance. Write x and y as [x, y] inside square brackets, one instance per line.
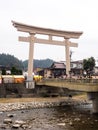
[57, 118]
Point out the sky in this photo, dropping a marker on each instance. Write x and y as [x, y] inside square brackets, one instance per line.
[68, 15]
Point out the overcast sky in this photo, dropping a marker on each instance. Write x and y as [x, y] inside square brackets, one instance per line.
[68, 15]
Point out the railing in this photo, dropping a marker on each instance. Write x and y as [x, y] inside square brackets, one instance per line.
[72, 80]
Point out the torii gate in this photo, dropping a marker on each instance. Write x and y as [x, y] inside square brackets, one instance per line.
[32, 30]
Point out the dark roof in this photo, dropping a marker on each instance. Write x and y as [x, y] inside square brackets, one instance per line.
[58, 65]
[79, 61]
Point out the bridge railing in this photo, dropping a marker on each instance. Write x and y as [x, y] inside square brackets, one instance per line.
[72, 80]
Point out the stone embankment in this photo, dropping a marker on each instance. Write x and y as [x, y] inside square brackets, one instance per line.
[40, 104]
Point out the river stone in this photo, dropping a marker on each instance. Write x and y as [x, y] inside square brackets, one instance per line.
[3, 126]
[70, 123]
[15, 125]
[7, 121]
[10, 115]
[61, 124]
[1, 112]
[24, 126]
[20, 122]
[29, 127]
[77, 119]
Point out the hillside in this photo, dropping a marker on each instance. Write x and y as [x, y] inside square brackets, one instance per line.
[11, 61]
[45, 63]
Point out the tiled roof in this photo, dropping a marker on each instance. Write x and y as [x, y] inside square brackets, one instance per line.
[58, 65]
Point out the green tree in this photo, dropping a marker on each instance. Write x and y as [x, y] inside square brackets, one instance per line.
[89, 64]
[15, 71]
[3, 72]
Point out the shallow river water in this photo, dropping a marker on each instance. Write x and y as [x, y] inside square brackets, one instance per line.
[57, 118]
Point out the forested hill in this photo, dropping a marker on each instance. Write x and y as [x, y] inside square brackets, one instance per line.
[11, 61]
[45, 63]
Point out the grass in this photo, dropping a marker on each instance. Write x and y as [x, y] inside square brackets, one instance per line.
[15, 100]
[82, 96]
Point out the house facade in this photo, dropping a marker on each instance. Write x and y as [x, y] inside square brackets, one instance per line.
[77, 67]
[58, 69]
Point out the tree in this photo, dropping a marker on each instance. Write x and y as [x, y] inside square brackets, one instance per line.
[15, 71]
[3, 72]
[88, 65]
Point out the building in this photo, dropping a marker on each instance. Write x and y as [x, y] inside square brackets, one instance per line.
[77, 67]
[58, 69]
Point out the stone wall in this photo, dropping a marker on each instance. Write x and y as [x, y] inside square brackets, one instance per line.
[19, 90]
[15, 90]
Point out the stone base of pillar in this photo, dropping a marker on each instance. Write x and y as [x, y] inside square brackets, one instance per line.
[30, 83]
[93, 96]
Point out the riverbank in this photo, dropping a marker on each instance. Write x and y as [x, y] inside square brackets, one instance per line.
[9, 104]
[44, 113]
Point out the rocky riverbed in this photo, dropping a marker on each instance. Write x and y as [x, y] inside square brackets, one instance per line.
[17, 115]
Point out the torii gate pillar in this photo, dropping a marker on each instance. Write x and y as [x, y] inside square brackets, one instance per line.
[67, 52]
[31, 53]
[30, 83]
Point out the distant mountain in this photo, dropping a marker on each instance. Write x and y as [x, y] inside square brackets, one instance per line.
[45, 63]
[11, 61]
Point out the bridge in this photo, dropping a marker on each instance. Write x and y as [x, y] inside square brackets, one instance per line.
[90, 86]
